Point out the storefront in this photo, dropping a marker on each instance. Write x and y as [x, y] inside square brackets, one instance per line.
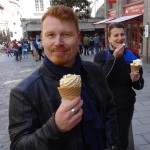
[32, 27]
[134, 26]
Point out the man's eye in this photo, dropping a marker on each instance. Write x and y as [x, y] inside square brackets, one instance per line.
[116, 35]
[122, 34]
[66, 34]
[50, 35]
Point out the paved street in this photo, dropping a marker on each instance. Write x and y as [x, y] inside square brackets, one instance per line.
[12, 72]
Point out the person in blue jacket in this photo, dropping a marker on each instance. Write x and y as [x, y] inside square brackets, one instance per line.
[115, 63]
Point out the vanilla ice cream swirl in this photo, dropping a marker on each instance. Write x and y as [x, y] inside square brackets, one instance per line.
[70, 80]
[137, 62]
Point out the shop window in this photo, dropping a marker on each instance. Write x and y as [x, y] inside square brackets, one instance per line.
[134, 35]
[39, 6]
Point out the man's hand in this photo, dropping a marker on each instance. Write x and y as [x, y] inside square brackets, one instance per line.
[119, 51]
[69, 115]
[134, 76]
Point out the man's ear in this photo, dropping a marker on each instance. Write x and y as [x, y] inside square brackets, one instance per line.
[41, 35]
[78, 38]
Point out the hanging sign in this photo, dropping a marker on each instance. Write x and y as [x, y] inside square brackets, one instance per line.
[134, 9]
[146, 30]
[111, 1]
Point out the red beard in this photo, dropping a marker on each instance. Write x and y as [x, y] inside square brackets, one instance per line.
[59, 58]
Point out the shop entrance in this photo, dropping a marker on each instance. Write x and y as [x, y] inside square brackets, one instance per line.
[134, 34]
[136, 38]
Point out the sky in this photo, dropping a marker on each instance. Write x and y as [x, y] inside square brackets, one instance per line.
[95, 5]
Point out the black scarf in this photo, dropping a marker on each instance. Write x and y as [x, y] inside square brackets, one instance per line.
[61, 70]
[91, 123]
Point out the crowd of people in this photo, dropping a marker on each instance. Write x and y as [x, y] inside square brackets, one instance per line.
[21, 49]
[97, 119]
[91, 43]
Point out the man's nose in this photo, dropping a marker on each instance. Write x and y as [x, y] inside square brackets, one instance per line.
[59, 40]
[121, 36]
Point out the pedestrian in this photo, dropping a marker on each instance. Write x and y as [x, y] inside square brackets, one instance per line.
[19, 50]
[31, 46]
[35, 49]
[15, 50]
[115, 63]
[8, 50]
[25, 49]
[91, 45]
[38, 119]
[96, 40]
[86, 43]
[40, 48]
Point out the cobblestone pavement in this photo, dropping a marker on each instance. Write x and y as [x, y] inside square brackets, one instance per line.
[12, 72]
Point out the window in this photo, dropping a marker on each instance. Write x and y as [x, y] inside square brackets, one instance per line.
[39, 5]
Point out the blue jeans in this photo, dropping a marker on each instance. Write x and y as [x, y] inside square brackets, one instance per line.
[96, 45]
[25, 54]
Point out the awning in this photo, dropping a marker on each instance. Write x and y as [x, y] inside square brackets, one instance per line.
[124, 18]
[103, 21]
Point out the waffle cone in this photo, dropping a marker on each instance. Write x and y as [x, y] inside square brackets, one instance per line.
[69, 93]
[135, 68]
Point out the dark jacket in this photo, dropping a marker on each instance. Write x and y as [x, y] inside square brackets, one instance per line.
[117, 72]
[33, 104]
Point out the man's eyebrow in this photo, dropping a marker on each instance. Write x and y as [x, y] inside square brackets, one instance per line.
[47, 32]
[70, 32]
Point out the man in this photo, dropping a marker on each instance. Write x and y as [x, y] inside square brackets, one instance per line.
[35, 49]
[15, 46]
[86, 42]
[40, 48]
[96, 40]
[38, 120]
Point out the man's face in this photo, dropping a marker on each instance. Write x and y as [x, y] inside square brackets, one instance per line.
[60, 41]
[117, 37]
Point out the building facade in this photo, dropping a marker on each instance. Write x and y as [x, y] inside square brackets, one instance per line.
[10, 20]
[32, 13]
[135, 15]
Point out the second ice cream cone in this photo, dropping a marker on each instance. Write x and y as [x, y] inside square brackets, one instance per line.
[135, 68]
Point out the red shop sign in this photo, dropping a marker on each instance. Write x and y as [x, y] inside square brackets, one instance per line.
[111, 1]
[134, 9]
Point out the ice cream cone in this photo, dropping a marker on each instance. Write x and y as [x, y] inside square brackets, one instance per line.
[69, 93]
[135, 68]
